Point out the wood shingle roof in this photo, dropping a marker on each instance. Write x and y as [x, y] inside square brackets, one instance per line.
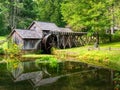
[65, 29]
[28, 34]
[45, 26]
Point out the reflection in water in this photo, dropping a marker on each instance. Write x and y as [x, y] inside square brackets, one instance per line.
[66, 76]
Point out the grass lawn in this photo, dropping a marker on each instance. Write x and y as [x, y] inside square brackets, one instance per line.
[2, 37]
[36, 55]
[108, 55]
[114, 45]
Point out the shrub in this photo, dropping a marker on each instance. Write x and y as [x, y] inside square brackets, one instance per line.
[39, 52]
[116, 36]
[50, 60]
[53, 50]
[104, 38]
[13, 50]
[14, 64]
[1, 51]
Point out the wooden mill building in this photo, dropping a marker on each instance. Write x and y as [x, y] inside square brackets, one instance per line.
[44, 35]
[31, 38]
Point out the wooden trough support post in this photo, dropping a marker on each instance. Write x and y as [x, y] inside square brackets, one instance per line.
[63, 43]
[58, 41]
[67, 41]
[70, 39]
[75, 39]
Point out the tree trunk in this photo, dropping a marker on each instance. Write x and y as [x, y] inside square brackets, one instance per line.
[97, 38]
[110, 38]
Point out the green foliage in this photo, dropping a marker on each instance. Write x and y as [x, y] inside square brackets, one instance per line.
[2, 51]
[3, 67]
[13, 50]
[3, 45]
[39, 52]
[116, 81]
[53, 50]
[52, 61]
[27, 14]
[13, 64]
[82, 15]
[116, 36]
[9, 14]
[94, 16]
[15, 14]
[49, 11]
[3, 16]
[104, 38]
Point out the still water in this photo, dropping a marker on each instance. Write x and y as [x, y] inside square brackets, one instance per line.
[67, 75]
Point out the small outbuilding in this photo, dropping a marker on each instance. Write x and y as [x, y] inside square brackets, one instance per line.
[26, 39]
[38, 35]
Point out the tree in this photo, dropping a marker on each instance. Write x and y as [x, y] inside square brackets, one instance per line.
[92, 15]
[8, 13]
[49, 10]
[115, 12]
[15, 14]
[3, 14]
[27, 14]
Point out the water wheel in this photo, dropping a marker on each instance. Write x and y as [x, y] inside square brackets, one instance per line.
[49, 41]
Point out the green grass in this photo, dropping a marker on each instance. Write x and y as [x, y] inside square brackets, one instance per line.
[35, 55]
[114, 45]
[4, 46]
[2, 37]
[103, 57]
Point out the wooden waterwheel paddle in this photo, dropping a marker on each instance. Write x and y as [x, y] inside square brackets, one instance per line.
[49, 41]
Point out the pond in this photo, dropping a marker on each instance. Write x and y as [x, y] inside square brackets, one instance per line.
[66, 75]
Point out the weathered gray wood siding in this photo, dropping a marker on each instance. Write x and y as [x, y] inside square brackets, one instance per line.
[25, 44]
[37, 29]
[17, 39]
[30, 44]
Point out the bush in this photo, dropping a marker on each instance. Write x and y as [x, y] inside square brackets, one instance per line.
[13, 50]
[39, 52]
[53, 50]
[50, 60]
[116, 36]
[1, 51]
[104, 38]
[13, 65]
